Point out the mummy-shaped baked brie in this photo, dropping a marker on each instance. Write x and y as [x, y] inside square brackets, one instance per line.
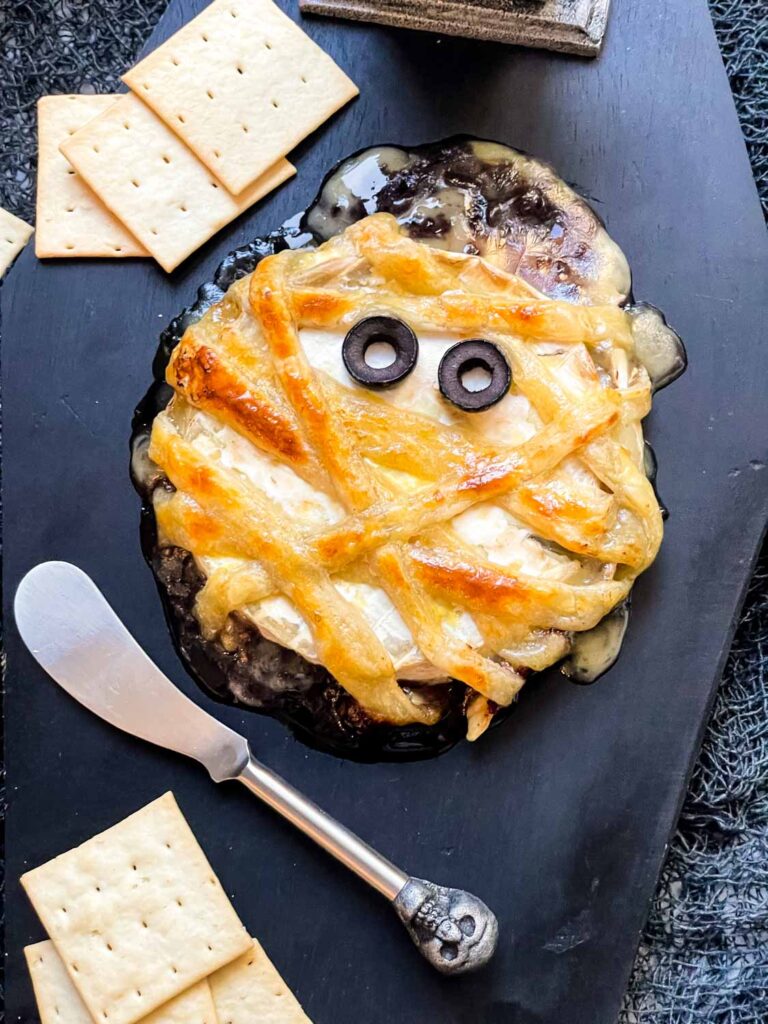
[426, 553]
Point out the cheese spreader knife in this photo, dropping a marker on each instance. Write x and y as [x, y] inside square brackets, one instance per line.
[70, 628]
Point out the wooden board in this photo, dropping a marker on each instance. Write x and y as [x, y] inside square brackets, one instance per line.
[552, 24]
[560, 818]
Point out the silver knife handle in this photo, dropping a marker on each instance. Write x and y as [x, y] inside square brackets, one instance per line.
[325, 830]
[454, 930]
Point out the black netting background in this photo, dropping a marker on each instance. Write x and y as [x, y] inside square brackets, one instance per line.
[704, 952]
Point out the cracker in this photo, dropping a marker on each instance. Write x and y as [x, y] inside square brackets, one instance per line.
[195, 1006]
[14, 235]
[58, 1001]
[242, 84]
[250, 989]
[136, 913]
[71, 219]
[154, 184]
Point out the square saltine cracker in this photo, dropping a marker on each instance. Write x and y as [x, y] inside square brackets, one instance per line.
[250, 990]
[71, 219]
[154, 184]
[14, 235]
[241, 84]
[58, 1001]
[137, 914]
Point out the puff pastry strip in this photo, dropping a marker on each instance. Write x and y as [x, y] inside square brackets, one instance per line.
[246, 368]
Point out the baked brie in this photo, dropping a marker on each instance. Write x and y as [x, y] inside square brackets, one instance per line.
[414, 465]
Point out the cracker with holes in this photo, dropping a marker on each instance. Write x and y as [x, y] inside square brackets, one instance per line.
[71, 219]
[242, 84]
[58, 1001]
[157, 187]
[250, 989]
[14, 235]
[195, 1006]
[137, 914]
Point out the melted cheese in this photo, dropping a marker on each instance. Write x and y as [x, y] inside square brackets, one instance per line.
[511, 421]
[500, 537]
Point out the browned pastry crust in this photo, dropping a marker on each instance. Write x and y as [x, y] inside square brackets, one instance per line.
[244, 366]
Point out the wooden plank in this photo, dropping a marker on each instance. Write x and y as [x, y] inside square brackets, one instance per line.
[572, 26]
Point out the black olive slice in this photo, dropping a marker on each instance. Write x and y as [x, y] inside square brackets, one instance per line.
[460, 360]
[385, 331]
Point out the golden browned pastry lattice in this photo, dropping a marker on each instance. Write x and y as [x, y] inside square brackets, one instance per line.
[355, 495]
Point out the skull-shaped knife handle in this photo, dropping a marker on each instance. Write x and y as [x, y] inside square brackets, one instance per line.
[452, 929]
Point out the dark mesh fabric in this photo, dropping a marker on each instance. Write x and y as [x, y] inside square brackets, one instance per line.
[704, 952]
[703, 956]
[58, 46]
[742, 31]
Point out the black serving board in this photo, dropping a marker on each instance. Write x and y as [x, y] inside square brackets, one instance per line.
[560, 817]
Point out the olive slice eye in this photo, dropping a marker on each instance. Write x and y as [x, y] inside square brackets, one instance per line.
[380, 351]
[474, 375]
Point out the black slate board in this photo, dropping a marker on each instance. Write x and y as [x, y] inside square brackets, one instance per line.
[560, 817]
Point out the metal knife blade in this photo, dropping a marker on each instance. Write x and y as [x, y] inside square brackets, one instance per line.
[70, 628]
